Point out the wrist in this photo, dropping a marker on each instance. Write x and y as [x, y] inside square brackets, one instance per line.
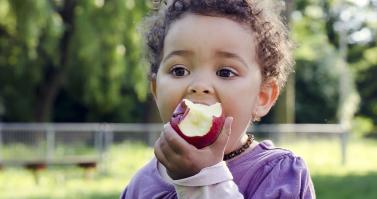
[207, 176]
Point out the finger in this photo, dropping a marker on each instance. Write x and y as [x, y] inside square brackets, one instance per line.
[159, 153]
[176, 142]
[168, 151]
[222, 140]
[170, 158]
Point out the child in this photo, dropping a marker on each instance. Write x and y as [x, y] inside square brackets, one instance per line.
[235, 52]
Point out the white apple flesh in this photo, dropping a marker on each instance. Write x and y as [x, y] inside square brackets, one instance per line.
[198, 124]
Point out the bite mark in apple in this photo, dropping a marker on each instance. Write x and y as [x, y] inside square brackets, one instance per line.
[198, 124]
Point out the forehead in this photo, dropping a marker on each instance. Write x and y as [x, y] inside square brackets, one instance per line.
[210, 32]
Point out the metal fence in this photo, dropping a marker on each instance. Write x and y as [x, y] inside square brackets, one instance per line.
[83, 143]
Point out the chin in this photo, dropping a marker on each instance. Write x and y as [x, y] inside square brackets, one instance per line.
[198, 124]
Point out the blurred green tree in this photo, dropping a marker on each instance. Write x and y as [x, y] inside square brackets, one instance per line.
[317, 70]
[317, 28]
[82, 57]
[316, 77]
[80, 60]
[356, 22]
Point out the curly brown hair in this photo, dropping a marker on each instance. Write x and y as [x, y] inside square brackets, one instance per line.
[273, 46]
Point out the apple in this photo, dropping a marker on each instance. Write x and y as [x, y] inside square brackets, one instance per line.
[198, 124]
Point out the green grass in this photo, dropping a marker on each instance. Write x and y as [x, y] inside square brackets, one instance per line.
[107, 181]
[356, 179]
[39, 151]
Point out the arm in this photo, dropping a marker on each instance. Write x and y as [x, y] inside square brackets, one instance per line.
[285, 177]
[147, 183]
[161, 195]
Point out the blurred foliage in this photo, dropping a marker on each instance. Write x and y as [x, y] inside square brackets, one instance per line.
[80, 61]
[317, 74]
[316, 28]
[81, 58]
[362, 126]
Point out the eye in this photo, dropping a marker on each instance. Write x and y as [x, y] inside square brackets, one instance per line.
[179, 71]
[225, 73]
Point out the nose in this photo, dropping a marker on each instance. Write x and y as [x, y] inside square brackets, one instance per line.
[200, 87]
[199, 90]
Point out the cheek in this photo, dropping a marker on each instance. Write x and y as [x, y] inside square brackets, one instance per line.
[241, 112]
[240, 98]
[168, 96]
[240, 104]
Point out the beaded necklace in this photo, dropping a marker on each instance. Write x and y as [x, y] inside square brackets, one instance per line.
[243, 148]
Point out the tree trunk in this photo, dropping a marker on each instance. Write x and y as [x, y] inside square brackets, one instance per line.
[55, 75]
[46, 97]
[285, 107]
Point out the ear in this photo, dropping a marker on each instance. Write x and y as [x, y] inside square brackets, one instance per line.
[153, 85]
[267, 97]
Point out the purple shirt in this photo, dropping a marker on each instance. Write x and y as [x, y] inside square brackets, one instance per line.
[264, 172]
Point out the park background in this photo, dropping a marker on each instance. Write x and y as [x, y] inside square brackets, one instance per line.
[81, 61]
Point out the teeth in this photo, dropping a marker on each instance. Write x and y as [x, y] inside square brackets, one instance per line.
[177, 114]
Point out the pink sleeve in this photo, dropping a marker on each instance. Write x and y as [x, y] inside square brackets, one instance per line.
[211, 182]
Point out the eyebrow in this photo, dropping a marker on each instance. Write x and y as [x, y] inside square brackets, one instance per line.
[183, 53]
[218, 53]
[231, 55]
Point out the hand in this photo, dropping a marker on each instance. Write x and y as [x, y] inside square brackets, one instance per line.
[182, 159]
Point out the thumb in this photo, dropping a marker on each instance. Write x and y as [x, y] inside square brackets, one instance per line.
[222, 140]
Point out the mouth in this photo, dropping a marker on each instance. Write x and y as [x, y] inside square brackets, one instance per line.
[203, 102]
[180, 112]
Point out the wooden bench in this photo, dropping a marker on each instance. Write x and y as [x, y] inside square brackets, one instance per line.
[37, 165]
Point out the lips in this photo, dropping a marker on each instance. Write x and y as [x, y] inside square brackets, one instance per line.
[180, 112]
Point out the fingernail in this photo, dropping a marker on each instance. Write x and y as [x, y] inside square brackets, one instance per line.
[230, 119]
[229, 124]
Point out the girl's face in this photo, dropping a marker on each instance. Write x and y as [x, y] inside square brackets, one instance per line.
[211, 59]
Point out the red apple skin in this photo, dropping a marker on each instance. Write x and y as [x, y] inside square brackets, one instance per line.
[198, 141]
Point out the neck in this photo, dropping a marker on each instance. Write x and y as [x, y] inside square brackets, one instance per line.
[242, 149]
[237, 144]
